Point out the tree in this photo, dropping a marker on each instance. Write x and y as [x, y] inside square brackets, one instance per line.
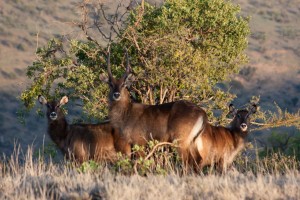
[179, 50]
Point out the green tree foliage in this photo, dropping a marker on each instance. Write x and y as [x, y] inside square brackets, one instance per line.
[184, 48]
[179, 50]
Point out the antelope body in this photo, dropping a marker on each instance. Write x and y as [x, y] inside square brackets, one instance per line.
[219, 145]
[139, 123]
[81, 141]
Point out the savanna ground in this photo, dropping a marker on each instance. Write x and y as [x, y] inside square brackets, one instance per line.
[276, 177]
[273, 73]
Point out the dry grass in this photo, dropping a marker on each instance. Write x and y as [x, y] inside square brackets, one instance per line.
[25, 177]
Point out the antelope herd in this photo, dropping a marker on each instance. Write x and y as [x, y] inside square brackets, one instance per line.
[199, 143]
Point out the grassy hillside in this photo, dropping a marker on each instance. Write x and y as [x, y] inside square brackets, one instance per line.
[274, 49]
[25, 25]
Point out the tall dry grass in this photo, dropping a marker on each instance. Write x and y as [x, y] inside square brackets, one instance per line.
[24, 176]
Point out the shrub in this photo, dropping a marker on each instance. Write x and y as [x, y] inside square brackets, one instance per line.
[179, 50]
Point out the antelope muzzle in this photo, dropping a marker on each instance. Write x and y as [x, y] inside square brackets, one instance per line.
[53, 116]
[244, 127]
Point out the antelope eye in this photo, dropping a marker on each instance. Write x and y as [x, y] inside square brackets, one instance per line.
[238, 116]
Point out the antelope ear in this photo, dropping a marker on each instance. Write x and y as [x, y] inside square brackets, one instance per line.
[63, 101]
[42, 100]
[104, 78]
[232, 110]
[129, 80]
[253, 108]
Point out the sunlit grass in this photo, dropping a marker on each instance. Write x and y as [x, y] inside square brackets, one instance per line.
[33, 177]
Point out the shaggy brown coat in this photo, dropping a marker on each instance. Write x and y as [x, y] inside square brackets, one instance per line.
[81, 142]
[176, 121]
[220, 145]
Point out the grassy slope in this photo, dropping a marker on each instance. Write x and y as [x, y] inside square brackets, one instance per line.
[24, 25]
[274, 51]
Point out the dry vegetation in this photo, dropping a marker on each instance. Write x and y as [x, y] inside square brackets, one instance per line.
[34, 178]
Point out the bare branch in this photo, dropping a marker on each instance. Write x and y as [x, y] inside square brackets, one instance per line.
[276, 124]
[158, 145]
[152, 152]
[104, 15]
[100, 31]
[84, 22]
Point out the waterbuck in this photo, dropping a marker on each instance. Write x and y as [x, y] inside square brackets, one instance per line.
[219, 145]
[81, 142]
[176, 121]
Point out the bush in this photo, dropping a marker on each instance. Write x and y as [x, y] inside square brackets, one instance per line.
[180, 50]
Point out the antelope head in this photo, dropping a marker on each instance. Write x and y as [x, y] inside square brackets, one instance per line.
[54, 111]
[118, 91]
[241, 119]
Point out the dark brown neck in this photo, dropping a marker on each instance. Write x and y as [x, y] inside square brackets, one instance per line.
[238, 132]
[238, 136]
[58, 130]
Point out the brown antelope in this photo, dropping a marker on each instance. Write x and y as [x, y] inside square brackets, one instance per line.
[138, 123]
[219, 145]
[81, 141]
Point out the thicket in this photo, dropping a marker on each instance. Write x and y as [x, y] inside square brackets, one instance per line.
[178, 50]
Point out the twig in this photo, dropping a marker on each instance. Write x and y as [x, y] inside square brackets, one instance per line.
[278, 124]
[158, 145]
[105, 17]
[152, 152]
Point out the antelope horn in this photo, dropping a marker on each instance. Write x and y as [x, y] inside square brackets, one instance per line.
[108, 65]
[253, 108]
[127, 72]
